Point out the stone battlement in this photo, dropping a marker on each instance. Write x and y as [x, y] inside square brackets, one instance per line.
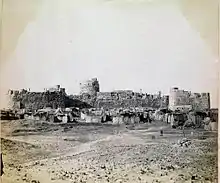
[52, 97]
[198, 101]
[126, 98]
[90, 96]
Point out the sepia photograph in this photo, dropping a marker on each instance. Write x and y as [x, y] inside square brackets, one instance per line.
[109, 91]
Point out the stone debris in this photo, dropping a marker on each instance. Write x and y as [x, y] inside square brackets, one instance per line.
[184, 142]
[103, 156]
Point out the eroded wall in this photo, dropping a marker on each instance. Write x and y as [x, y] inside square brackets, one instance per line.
[198, 101]
[124, 99]
[36, 100]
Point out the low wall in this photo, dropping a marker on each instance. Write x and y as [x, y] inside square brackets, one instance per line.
[212, 126]
[118, 120]
[93, 119]
[125, 120]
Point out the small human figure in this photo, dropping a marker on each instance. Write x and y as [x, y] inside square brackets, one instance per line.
[161, 132]
[2, 165]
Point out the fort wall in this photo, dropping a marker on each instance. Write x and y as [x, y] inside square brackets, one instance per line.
[36, 100]
[52, 97]
[124, 99]
[197, 101]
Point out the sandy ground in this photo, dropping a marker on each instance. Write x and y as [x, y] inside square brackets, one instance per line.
[41, 152]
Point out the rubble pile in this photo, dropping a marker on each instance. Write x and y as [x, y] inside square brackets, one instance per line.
[184, 142]
[8, 115]
[85, 98]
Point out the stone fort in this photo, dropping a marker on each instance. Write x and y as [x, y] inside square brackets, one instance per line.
[90, 92]
[91, 96]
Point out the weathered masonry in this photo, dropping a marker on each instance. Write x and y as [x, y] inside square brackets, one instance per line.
[180, 99]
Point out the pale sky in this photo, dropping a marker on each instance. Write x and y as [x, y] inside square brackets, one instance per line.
[127, 45]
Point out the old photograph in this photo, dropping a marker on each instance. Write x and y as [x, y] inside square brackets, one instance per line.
[109, 91]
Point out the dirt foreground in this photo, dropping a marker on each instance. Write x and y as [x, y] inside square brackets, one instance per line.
[41, 152]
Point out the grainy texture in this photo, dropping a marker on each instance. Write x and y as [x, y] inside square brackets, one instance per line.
[48, 152]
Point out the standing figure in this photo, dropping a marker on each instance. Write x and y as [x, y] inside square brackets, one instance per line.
[166, 117]
[2, 166]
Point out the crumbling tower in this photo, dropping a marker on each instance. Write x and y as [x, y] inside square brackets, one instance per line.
[90, 87]
[173, 97]
[12, 102]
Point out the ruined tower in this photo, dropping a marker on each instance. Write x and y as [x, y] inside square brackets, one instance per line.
[90, 87]
[12, 102]
[173, 97]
